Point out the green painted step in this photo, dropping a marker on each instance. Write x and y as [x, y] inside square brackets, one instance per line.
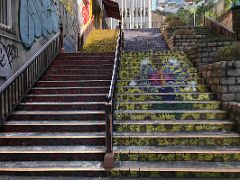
[162, 88]
[170, 115]
[137, 97]
[169, 105]
[177, 169]
[176, 139]
[178, 153]
[172, 126]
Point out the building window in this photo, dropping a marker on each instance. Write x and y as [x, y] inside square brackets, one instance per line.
[123, 13]
[128, 12]
[139, 12]
[135, 12]
[146, 11]
[5, 14]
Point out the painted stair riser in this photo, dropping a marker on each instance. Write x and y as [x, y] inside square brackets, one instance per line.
[80, 54]
[172, 174]
[126, 76]
[24, 117]
[53, 128]
[52, 141]
[171, 116]
[52, 156]
[158, 141]
[86, 62]
[201, 157]
[62, 98]
[60, 77]
[167, 97]
[93, 90]
[79, 72]
[163, 89]
[168, 81]
[170, 128]
[93, 67]
[57, 107]
[72, 84]
[168, 106]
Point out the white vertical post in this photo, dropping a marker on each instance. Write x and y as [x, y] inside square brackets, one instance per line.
[150, 14]
[130, 14]
[141, 13]
[144, 13]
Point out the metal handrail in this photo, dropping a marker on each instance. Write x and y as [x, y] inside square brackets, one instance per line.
[15, 88]
[111, 95]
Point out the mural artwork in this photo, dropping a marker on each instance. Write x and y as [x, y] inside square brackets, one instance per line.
[38, 18]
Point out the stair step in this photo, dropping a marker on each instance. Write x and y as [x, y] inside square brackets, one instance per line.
[177, 138]
[50, 77]
[165, 97]
[79, 71]
[52, 139]
[178, 153]
[162, 89]
[168, 105]
[93, 67]
[170, 114]
[155, 81]
[130, 166]
[65, 97]
[52, 153]
[82, 62]
[51, 106]
[70, 90]
[173, 126]
[72, 83]
[84, 58]
[81, 54]
[57, 115]
[53, 126]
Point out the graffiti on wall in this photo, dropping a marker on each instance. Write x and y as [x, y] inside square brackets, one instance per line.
[69, 6]
[38, 18]
[7, 54]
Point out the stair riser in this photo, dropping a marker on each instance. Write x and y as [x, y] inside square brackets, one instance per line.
[79, 72]
[171, 116]
[172, 128]
[158, 82]
[58, 117]
[154, 141]
[66, 99]
[126, 76]
[93, 67]
[66, 62]
[70, 55]
[60, 107]
[172, 97]
[85, 58]
[71, 91]
[172, 174]
[53, 142]
[52, 157]
[202, 157]
[185, 68]
[168, 106]
[51, 77]
[53, 128]
[174, 89]
[73, 84]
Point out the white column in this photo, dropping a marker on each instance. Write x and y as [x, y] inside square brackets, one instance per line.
[130, 14]
[150, 14]
[126, 18]
[141, 7]
[122, 13]
[144, 12]
[137, 7]
[133, 17]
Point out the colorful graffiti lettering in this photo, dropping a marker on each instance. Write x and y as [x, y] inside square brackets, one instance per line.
[68, 4]
[37, 18]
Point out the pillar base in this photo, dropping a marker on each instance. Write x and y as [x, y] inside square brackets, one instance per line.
[108, 162]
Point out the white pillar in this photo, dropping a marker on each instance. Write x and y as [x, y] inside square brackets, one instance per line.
[130, 14]
[150, 14]
[122, 13]
[144, 13]
[133, 17]
[141, 5]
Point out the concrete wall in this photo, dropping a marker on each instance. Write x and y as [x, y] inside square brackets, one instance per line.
[18, 45]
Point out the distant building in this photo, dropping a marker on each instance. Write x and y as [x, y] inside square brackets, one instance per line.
[172, 6]
[135, 14]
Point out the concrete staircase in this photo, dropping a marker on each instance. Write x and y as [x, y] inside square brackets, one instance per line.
[168, 123]
[59, 127]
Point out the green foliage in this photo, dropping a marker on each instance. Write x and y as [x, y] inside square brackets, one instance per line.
[229, 53]
[175, 20]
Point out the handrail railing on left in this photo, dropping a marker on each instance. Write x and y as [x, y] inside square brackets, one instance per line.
[14, 89]
[109, 158]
